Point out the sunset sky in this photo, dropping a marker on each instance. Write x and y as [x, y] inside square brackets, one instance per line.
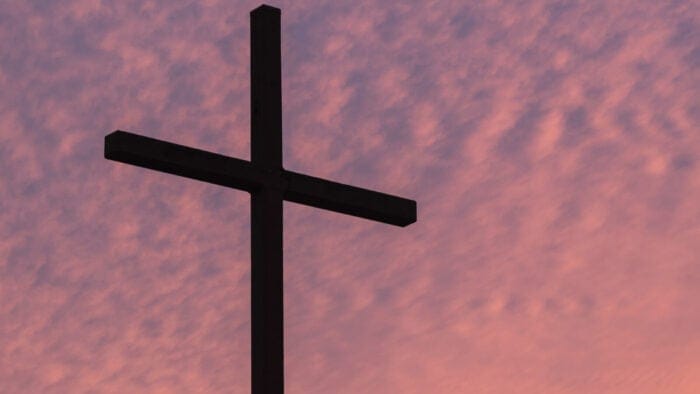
[553, 148]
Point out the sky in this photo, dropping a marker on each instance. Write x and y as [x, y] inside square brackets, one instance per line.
[553, 148]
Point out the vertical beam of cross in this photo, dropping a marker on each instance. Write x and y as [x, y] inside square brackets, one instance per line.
[267, 308]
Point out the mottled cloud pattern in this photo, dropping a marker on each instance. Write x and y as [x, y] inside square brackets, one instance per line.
[552, 146]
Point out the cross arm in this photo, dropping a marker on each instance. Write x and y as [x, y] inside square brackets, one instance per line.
[181, 160]
[222, 170]
[350, 200]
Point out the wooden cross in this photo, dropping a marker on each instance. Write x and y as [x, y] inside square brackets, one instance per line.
[268, 184]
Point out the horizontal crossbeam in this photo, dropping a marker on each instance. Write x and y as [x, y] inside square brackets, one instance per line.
[222, 170]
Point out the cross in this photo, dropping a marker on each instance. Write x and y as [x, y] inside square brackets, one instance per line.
[268, 184]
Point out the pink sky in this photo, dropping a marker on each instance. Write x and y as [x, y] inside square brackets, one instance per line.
[553, 148]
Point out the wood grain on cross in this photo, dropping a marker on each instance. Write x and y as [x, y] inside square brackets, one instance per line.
[269, 185]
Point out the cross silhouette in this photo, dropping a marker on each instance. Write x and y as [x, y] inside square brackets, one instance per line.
[268, 184]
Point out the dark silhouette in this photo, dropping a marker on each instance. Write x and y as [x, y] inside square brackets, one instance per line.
[269, 184]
